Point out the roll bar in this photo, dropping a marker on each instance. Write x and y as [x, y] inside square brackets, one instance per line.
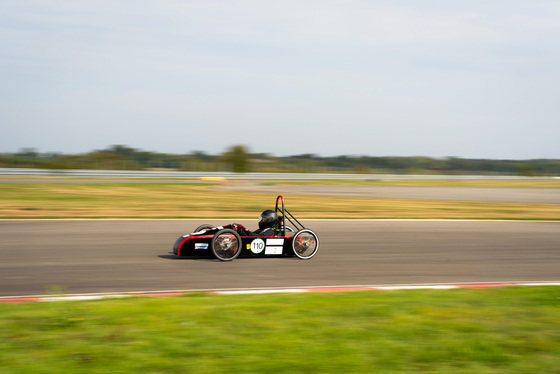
[286, 214]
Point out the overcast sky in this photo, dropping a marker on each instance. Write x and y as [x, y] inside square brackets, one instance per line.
[466, 78]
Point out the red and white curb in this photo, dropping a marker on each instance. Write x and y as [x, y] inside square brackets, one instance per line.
[84, 297]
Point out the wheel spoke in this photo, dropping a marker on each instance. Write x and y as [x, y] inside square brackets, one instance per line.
[305, 244]
[226, 245]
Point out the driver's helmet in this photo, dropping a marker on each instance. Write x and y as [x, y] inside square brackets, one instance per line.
[268, 219]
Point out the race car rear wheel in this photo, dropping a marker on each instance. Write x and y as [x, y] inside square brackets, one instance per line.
[305, 244]
[226, 245]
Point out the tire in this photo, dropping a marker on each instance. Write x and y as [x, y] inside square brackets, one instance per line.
[288, 228]
[305, 244]
[203, 228]
[226, 245]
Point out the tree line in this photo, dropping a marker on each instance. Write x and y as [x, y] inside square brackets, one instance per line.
[238, 158]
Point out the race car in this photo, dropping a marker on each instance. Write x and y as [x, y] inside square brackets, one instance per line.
[233, 240]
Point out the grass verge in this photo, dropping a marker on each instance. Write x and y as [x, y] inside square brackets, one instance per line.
[182, 200]
[499, 330]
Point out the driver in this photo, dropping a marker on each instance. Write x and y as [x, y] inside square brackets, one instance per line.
[267, 225]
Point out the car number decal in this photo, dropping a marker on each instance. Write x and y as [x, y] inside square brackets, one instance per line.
[257, 246]
[200, 245]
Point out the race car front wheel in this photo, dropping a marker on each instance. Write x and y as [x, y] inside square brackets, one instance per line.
[226, 245]
[305, 244]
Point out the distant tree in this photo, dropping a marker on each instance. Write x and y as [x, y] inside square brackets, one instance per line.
[238, 157]
[28, 152]
[202, 156]
[121, 150]
[524, 169]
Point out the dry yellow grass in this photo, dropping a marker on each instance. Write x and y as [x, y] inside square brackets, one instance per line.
[181, 200]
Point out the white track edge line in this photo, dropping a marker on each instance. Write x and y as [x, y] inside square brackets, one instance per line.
[85, 297]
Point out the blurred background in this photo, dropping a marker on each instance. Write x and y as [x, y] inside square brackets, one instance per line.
[239, 158]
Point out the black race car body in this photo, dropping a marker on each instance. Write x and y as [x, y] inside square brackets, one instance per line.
[229, 242]
[199, 243]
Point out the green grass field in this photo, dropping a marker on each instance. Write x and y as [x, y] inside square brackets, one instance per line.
[497, 330]
[196, 200]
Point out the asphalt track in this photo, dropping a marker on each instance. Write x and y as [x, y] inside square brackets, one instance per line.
[73, 257]
[457, 193]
